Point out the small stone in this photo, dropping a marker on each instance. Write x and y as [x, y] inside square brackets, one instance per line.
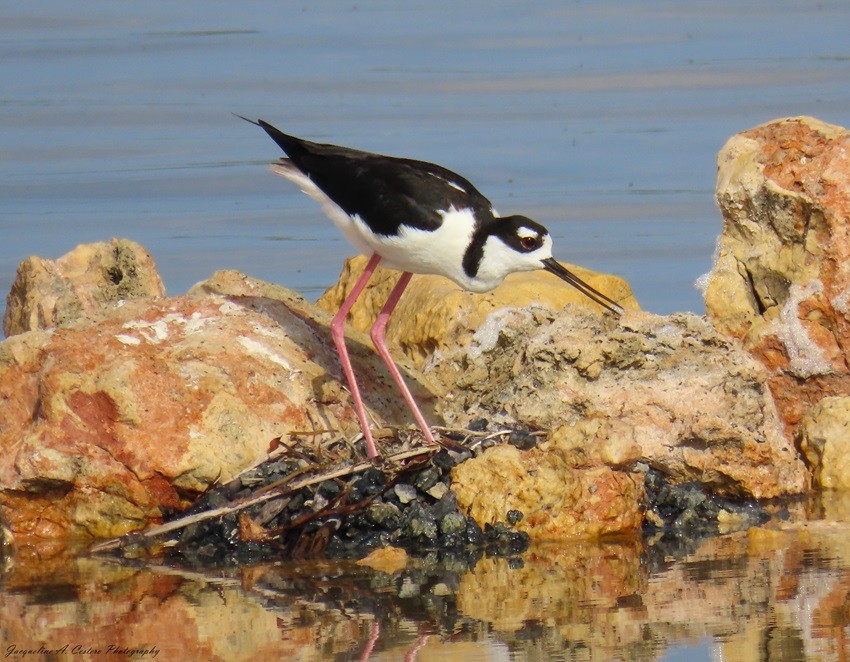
[478, 425]
[385, 515]
[386, 559]
[438, 491]
[329, 488]
[522, 440]
[420, 523]
[427, 478]
[440, 589]
[474, 534]
[445, 459]
[409, 589]
[452, 523]
[422, 528]
[405, 492]
[516, 563]
[514, 516]
[447, 504]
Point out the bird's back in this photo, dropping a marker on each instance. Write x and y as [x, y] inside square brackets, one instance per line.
[385, 191]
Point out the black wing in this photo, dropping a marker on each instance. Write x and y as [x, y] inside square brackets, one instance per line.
[384, 191]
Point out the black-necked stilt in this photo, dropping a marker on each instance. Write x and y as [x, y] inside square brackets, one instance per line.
[420, 218]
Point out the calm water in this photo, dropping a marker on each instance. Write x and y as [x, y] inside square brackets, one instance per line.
[760, 596]
[600, 119]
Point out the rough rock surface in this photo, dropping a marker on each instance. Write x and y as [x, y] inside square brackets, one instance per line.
[436, 315]
[781, 281]
[671, 391]
[825, 441]
[557, 501]
[48, 293]
[107, 421]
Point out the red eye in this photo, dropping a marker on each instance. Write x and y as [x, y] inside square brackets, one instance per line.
[528, 243]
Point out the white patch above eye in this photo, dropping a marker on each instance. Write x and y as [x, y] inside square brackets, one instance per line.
[526, 233]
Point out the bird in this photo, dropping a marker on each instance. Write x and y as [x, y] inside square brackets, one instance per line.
[417, 218]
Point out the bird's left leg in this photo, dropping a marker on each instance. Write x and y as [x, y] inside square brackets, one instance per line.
[338, 334]
[377, 333]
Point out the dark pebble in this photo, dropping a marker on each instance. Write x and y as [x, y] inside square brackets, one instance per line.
[426, 479]
[329, 489]
[488, 443]
[522, 440]
[444, 460]
[474, 534]
[447, 504]
[385, 515]
[478, 425]
[514, 516]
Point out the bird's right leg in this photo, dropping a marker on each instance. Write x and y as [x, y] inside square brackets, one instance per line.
[338, 333]
[378, 334]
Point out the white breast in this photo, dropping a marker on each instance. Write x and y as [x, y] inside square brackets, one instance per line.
[438, 251]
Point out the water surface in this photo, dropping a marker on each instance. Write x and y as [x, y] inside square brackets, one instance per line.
[769, 594]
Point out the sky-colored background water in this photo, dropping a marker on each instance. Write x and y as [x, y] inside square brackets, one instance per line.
[600, 119]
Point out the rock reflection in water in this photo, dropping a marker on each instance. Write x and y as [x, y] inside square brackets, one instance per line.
[763, 594]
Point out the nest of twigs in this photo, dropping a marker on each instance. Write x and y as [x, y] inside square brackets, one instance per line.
[311, 499]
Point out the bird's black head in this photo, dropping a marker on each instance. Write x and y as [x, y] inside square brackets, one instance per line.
[521, 234]
[517, 243]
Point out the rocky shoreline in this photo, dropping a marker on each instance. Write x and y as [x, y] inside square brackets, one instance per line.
[123, 408]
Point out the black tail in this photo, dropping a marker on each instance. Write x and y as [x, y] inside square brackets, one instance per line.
[293, 146]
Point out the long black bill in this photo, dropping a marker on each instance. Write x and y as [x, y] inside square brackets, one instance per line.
[551, 265]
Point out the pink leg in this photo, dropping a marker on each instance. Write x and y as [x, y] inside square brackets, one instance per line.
[377, 333]
[413, 652]
[373, 639]
[338, 333]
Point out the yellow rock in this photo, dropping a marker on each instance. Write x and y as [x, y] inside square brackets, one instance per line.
[48, 293]
[825, 442]
[558, 502]
[435, 314]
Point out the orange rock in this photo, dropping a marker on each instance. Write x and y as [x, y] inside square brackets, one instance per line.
[110, 419]
[825, 441]
[781, 281]
[386, 559]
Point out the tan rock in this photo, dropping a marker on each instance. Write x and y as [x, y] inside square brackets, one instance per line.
[825, 441]
[558, 502]
[436, 315]
[48, 293]
[671, 391]
[781, 281]
[109, 420]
